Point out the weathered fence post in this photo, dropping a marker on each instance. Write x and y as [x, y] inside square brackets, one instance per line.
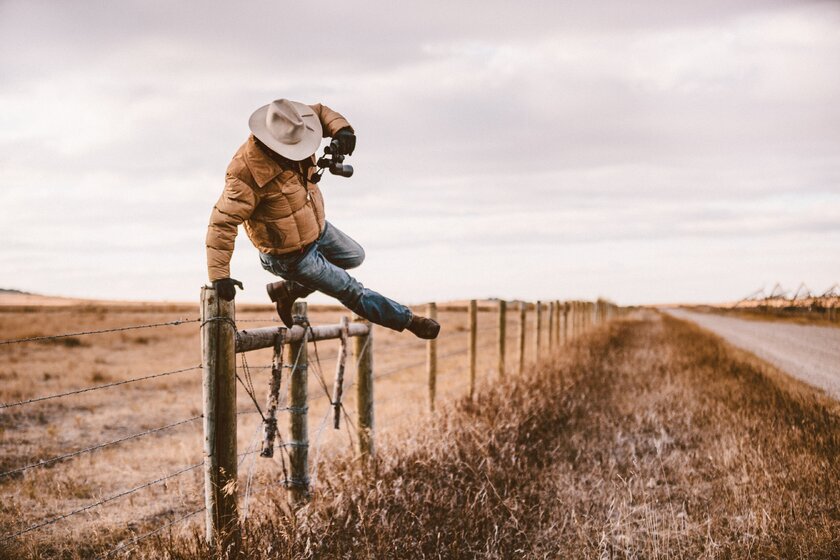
[538, 331]
[299, 410]
[502, 336]
[473, 320]
[363, 350]
[523, 306]
[431, 359]
[218, 348]
[552, 325]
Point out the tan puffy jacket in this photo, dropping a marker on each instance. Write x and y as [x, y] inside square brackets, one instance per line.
[281, 209]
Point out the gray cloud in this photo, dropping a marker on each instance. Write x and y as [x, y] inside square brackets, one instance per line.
[500, 127]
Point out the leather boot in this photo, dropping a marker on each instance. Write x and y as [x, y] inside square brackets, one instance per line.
[284, 298]
[423, 327]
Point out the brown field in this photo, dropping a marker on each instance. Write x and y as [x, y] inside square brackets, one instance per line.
[47, 429]
[647, 438]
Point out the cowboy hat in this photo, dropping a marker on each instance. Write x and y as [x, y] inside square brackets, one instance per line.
[289, 128]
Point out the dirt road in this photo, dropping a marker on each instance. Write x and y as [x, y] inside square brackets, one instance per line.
[810, 353]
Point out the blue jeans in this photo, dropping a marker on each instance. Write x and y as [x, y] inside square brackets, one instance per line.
[321, 266]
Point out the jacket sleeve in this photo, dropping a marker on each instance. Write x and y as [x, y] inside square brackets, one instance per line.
[331, 121]
[236, 205]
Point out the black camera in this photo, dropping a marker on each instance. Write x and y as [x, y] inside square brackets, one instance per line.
[334, 161]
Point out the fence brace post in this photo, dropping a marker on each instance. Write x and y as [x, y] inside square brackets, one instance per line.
[218, 350]
[363, 350]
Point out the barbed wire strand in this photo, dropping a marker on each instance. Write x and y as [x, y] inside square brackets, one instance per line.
[83, 333]
[97, 387]
[144, 536]
[44, 463]
[100, 502]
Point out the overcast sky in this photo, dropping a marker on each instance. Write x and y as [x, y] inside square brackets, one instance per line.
[641, 151]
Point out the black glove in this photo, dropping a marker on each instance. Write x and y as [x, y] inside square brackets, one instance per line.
[346, 141]
[226, 288]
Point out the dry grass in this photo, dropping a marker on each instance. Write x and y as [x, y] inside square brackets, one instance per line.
[648, 439]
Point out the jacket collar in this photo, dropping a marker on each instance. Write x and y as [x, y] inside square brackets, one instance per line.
[262, 167]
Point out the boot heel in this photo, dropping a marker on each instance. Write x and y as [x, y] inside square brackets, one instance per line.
[275, 290]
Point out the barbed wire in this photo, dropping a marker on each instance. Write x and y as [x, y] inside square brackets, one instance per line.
[144, 536]
[100, 502]
[44, 463]
[97, 387]
[83, 333]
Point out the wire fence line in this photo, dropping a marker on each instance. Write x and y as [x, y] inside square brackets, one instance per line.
[83, 333]
[100, 502]
[98, 387]
[251, 450]
[136, 540]
[47, 462]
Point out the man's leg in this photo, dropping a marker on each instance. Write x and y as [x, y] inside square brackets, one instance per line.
[339, 248]
[316, 273]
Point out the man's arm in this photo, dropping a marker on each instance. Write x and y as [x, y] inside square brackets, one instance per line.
[236, 205]
[331, 121]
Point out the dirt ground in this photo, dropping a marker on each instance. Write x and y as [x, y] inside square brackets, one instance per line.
[38, 431]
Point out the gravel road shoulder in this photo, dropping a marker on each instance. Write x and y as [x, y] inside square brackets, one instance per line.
[807, 352]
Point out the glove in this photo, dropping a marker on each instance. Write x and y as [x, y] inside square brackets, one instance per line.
[346, 141]
[226, 288]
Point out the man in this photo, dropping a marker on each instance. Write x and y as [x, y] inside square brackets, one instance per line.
[269, 188]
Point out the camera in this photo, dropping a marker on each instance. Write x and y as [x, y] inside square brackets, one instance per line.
[334, 161]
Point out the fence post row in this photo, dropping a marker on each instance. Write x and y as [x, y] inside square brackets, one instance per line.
[221, 341]
[218, 341]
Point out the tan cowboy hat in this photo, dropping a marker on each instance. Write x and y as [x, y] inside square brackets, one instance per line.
[291, 129]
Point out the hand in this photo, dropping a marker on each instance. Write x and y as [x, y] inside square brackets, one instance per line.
[346, 141]
[226, 288]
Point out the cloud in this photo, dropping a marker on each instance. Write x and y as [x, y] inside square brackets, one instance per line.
[508, 128]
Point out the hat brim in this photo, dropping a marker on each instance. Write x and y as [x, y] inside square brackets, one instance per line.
[300, 151]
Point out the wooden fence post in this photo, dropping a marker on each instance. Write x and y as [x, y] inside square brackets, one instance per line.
[473, 320]
[552, 325]
[299, 411]
[538, 331]
[218, 349]
[363, 350]
[431, 359]
[523, 306]
[502, 335]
